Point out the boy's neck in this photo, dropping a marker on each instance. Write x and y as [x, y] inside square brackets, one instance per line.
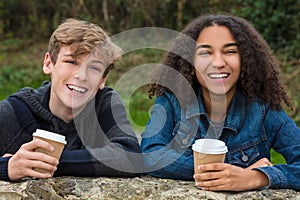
[65, 114]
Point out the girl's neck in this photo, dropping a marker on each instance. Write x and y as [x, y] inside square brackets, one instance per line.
[217, 106]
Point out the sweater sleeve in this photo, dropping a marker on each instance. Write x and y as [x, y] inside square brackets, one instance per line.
[110, 145]
[3, 169]
[9, 125]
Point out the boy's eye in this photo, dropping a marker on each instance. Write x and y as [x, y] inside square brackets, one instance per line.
[95, 68]
[73, 62]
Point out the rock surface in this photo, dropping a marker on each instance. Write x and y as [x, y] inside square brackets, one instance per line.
[139, 188]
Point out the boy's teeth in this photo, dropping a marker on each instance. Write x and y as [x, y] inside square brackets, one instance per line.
[76, 89]
[218, 76]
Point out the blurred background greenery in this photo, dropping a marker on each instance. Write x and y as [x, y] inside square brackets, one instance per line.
[26, 25]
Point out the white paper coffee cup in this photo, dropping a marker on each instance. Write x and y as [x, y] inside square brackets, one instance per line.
[56, 140]
[208, 151]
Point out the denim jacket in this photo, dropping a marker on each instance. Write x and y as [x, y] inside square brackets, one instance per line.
[250, 130]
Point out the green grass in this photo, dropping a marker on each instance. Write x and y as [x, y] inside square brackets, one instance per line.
[139, 110]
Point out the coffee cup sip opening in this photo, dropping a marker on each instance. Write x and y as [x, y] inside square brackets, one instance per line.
[50, 136]
[210, 146]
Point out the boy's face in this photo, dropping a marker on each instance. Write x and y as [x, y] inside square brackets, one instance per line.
[74, 81]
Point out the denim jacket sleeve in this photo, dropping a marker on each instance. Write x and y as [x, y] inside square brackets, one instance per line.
[284, 137]
[166, 155]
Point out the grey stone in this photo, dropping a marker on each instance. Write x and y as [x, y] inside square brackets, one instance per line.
[139, 188]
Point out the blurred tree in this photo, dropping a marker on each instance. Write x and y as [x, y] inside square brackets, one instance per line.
[278, 21]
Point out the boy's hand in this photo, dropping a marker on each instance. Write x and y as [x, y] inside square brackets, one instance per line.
[21, 164]
[226, 177]
[7, 155]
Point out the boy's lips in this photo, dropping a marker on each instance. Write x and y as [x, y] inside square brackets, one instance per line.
[77, 89]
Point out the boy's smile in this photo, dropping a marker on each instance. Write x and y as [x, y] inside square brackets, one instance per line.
[77, 89]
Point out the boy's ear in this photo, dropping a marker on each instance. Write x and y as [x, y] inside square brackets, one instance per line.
[47, 64]
[102, 83]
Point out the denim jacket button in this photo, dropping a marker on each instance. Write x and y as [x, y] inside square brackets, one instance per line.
[185, 141]
[245, 158]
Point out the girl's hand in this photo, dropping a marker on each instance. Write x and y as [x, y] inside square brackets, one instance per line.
[21, 164]
[226, 177]
[264, 162]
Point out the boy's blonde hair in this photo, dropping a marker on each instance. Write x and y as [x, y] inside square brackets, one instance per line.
[85, 37]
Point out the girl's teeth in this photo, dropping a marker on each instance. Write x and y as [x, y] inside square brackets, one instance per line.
[218, 76]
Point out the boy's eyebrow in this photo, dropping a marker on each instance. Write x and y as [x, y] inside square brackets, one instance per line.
[97, 62]
[209, 46]
[92, 61]
[71, 55]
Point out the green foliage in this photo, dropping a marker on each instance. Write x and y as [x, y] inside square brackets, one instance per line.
[12, 80]
[277, 158]
[138, 105]
[20, 66]
[139, 109]
[278, 21]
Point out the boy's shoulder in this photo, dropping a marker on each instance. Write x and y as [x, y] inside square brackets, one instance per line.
[107, 93]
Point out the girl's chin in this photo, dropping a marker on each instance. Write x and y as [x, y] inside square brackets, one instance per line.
[217, 92]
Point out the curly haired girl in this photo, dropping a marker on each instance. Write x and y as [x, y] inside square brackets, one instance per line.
[229, 89]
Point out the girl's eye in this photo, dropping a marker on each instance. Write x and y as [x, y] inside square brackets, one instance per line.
[231, 51]
[203, 53]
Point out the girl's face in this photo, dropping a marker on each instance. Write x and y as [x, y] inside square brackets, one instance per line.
[217, 61]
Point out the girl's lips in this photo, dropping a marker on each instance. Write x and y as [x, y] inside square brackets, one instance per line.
[77, 89]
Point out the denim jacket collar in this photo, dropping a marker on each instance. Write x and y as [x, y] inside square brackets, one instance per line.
[236, 113]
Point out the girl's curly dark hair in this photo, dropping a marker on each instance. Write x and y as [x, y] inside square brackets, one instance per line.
[260, 72]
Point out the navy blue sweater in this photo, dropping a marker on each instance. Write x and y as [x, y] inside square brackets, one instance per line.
[100, 141]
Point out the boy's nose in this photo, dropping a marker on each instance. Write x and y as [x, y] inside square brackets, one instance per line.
[81, 73]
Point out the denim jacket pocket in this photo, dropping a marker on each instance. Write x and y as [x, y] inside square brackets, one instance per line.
[243, 156]
[182, 138]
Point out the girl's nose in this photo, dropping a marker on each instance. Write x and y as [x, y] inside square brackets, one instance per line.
[218, 60]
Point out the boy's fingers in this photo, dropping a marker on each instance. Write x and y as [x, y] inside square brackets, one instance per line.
[37, 143]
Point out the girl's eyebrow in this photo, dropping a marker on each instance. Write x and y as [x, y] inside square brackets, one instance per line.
[203, 46]
[231, 44]
[209, 46]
